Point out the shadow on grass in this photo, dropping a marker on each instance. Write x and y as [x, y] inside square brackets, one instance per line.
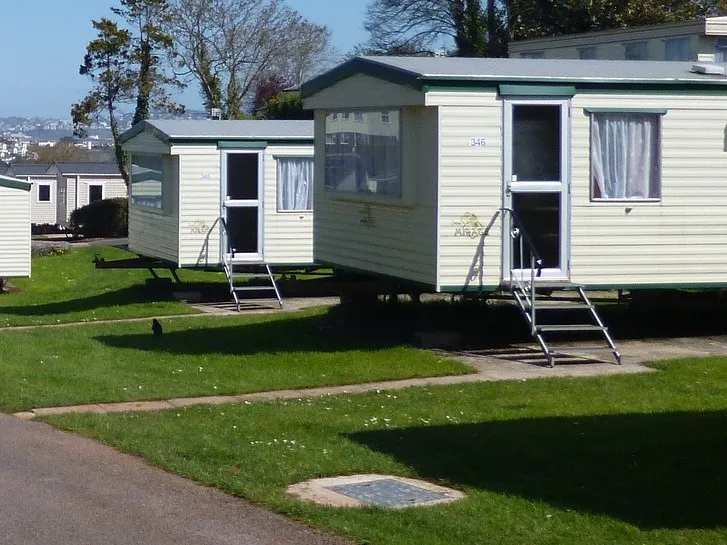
[141, 293]
[295, 334]
[663, 470]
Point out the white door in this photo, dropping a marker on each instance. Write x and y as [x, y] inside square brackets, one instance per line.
[242, 205]
[535, 186]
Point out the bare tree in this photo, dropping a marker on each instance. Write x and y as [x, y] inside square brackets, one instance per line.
[226, 45]
[417, 26]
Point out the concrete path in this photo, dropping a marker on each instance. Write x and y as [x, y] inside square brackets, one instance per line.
[521, 362]
[57, 488]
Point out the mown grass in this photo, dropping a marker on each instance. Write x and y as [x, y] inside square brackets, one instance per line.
[66, 287]
[204, 355]
[634, 459]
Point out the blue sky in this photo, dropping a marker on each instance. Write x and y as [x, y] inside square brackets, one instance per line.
[43, 43]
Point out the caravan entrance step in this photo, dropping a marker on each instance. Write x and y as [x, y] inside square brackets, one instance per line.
[535, 304]
[570, 327]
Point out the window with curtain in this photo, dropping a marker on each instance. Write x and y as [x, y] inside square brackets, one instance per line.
[364, 156]
[295, 183]
[625, 156]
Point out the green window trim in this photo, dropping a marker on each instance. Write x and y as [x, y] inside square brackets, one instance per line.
[655, 111]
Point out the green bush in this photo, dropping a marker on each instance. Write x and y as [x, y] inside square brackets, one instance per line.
[106, 218]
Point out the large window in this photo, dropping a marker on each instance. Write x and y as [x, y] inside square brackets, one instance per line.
[146, 180]
[295, 183]
[363, 152]
[636, 51]
[678, 49]
[625, 156]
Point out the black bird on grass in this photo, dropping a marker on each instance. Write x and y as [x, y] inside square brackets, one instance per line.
[156, 328]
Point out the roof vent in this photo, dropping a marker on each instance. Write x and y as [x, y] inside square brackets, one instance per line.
[710, 69]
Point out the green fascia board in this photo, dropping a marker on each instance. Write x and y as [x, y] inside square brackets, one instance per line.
[12, 183]
[657, 111]
[359, 65]
[508, 89]
[242, 144]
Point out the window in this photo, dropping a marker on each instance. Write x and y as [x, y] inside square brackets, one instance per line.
[62, 195]
[636, 51]
[532, 55]
[95, 193]
[587, 53]
[358, 116]
[625, 156]
[720, 50]
[678, 49]
[385, 118]
[367, 158]
[146, 180]
[44, 193]
[295, 183]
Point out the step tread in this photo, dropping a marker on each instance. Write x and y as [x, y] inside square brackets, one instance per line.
[252, 288]
[571, 327]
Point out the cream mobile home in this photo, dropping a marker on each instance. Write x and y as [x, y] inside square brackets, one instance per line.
[14, 228]
[187, 176]
[604, 174]
[43, 190]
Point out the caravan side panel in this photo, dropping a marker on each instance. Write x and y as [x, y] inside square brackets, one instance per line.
[43, 211]
[14, 232]
[154, 233]
[682, 238]
[287, 235]
[470, 189]
[396, 239]
[199, 205]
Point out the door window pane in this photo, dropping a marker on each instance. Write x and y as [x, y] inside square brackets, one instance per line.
[242, 227]
[539, 216]
[242, 176]
[536, 142]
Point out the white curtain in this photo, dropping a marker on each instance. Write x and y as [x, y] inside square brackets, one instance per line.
[295, 183]
[623, 156]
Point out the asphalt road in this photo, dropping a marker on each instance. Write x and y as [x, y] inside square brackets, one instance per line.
[57, 488]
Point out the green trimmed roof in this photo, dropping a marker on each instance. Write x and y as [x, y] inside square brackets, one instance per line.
[14, 183]
[424, 72]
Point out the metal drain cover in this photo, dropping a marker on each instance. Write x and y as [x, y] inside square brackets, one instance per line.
[388, 493]
[373, 490]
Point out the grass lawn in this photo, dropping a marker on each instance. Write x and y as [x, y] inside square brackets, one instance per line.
[622, 460]
[66, 287]
[206, 355]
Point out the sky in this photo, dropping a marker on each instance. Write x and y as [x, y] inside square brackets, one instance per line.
[43, 43]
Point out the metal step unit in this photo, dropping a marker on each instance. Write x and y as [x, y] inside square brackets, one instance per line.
[239, 274]
[548, 320]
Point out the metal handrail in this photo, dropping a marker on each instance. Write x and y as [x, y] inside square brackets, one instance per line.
[518, 233]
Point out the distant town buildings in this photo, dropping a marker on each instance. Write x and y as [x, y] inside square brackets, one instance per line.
[19, 134]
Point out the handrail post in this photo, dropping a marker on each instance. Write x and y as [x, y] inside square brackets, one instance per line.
[532, 293]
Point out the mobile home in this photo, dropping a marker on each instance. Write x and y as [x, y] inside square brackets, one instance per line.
[14, 228]
[205, 191]
[43, 190]
[609, 173]
[82, 182]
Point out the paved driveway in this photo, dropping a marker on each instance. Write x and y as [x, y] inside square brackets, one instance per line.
[57, 488]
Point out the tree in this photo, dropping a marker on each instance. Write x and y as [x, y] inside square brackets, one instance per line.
[227, 45]
[536, 18]
[64, 150]
[125, 67]
[266, 87]
[108, 64]
[286, 105]
[420, 25]
[150, 19]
